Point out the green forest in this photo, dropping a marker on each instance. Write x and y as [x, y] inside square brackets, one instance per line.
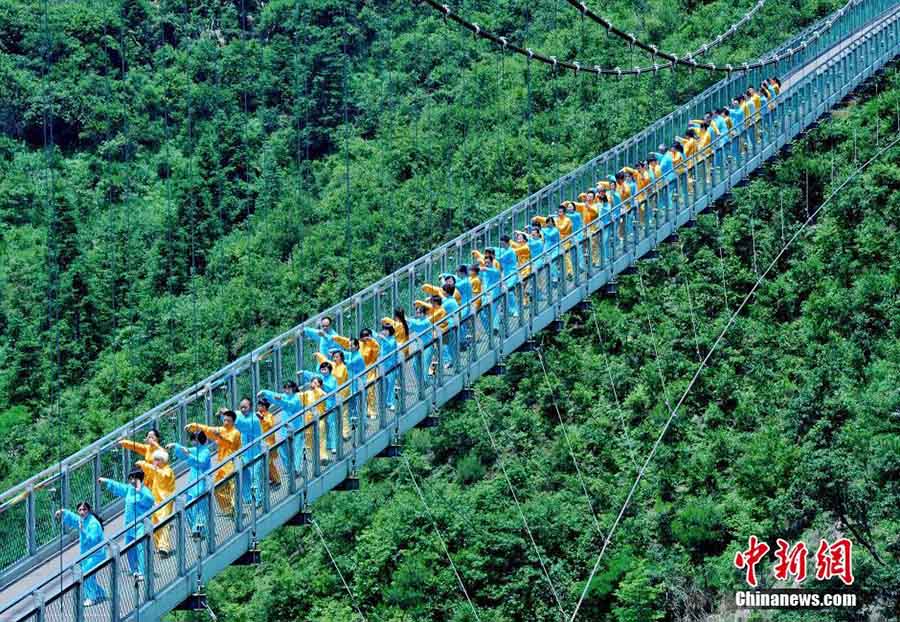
[200, 167]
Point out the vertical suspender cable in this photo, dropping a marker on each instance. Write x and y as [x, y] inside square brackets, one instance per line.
[244, 97]
[52, 259]
[126, 196]
[302, 98]
[348, 235]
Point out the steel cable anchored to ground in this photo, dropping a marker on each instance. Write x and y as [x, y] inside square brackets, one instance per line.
[674, 412]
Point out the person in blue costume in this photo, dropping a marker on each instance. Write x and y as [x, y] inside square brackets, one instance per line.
[464, 287]
[552, 243]
[736, 113]
[90, 534]
[138, 502]
[578, 233]
[665, 157]
[199, 460]
[489, 273]
[291, 406]
[722, 140]
[250, 428]
[390, 362]
[509, 266]
[421, 334]
[451, 308]
[324, 335]
[329, 386]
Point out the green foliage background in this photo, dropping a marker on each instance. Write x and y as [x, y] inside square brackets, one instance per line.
[199, 209]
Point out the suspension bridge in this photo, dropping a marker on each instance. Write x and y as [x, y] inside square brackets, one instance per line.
[40, 575]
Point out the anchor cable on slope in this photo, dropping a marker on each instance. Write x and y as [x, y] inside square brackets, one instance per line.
[700, 368]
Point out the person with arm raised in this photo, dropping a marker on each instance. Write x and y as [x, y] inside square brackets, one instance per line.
[291, 406]
[228, 440]
[369, 350]
[90, 535]
[267, 421]
[138, 501]
[152, 442]
[163, 478]
[323, 336]
[390, 363]
[250, 428]
[329, 386]
[199, 460]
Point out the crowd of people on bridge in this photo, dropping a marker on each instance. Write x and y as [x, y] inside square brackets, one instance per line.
[440, 327]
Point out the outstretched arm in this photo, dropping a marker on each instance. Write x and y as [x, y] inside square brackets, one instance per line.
[138, 448]
[70, 520]
[342, 341]
[115, 488]
[213, 432]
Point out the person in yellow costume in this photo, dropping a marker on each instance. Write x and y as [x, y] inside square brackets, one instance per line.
[622, 191]
[163, 477]
[267, 421]
[587, 207]
[705, 133]
[564, 224]
[342, 376]
[438, 290]
[756, 102]
[519, 245]
[401, 328]
[641, 181]
[369, 350]
[228, 439]
[315, 395]
[152, 442]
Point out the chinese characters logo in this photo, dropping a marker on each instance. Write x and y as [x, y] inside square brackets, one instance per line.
[833, 560]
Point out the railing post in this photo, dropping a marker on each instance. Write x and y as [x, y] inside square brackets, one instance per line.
[64, 486]
[30, 520]
[317, 439]
[239, 494]
[96, 472]
[78, 587]
[115, 575]
[180, 539]
[148, 551]
[210, 515]
[289, 471]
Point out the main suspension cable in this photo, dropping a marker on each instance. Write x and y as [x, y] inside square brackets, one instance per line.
[811, 218]
[689, 60]
[672, 59]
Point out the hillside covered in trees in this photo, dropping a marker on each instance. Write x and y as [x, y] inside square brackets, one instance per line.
[200, 161]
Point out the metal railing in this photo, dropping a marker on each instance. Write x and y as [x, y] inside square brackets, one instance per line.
[471, 346]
